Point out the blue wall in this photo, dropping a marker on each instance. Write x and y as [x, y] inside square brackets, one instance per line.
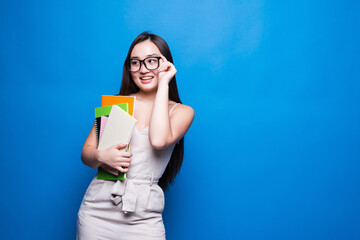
[273, 152]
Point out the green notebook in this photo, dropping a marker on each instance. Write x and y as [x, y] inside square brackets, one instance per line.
[102, 174]
[105, 111]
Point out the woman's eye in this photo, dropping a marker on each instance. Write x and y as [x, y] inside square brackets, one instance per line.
[134, 63]
[152, 60]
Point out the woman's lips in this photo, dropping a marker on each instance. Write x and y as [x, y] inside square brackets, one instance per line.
[146, 79]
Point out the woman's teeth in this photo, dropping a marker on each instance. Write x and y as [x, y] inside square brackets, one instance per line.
[146, 78]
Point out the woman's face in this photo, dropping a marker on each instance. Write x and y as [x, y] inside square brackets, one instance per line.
[145, 79]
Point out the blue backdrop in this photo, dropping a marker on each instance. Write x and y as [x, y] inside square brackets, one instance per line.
[273, 152]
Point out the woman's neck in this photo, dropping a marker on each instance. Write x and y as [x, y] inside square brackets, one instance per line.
[146, 96]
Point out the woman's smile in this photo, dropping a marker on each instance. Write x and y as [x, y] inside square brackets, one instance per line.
[146, 79]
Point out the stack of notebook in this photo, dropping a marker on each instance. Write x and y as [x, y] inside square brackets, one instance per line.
[114, 123]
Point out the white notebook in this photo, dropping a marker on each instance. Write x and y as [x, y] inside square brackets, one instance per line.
[118, 129]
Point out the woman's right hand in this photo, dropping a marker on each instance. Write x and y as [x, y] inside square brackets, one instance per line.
[115, 157]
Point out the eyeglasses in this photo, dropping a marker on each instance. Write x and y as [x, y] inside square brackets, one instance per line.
[150, 63]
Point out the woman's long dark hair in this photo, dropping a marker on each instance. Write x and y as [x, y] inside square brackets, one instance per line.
[129, 87]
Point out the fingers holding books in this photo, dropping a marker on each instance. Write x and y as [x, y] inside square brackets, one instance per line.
[123, 162]
[119, 146]
[115, 157]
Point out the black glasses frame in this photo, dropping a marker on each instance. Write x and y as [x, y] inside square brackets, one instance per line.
[143, 61]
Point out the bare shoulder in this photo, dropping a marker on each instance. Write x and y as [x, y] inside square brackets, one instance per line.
[181, 119]
[182, 109]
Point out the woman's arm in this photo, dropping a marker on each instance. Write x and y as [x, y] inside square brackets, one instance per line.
[112, 156]
[165, 130]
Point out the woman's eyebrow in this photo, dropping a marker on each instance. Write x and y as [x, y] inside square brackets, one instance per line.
[153, 55]
[149, 55]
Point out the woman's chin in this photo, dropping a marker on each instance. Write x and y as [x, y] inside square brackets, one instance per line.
[148, 87]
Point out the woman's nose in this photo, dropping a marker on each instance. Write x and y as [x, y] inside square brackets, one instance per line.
[143, 68]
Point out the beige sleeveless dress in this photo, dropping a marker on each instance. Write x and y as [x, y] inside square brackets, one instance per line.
[129, 209]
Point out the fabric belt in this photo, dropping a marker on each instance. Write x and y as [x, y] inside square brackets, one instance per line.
[124, 191]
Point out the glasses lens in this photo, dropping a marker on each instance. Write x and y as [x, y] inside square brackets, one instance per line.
[134, 65]
[151, 63]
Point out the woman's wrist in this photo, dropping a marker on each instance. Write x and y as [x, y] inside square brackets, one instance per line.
[163, 85]
[98, 156]
[91, 157]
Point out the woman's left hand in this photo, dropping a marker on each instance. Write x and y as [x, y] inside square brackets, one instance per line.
[166, 71]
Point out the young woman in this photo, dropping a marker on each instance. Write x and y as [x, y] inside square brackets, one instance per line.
[132, 209]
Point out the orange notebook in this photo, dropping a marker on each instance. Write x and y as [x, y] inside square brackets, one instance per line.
[107, 100]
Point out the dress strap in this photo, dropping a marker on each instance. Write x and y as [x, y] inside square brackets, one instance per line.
[173, 108]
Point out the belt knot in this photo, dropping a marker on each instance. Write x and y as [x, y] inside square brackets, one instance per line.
[124, 191]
